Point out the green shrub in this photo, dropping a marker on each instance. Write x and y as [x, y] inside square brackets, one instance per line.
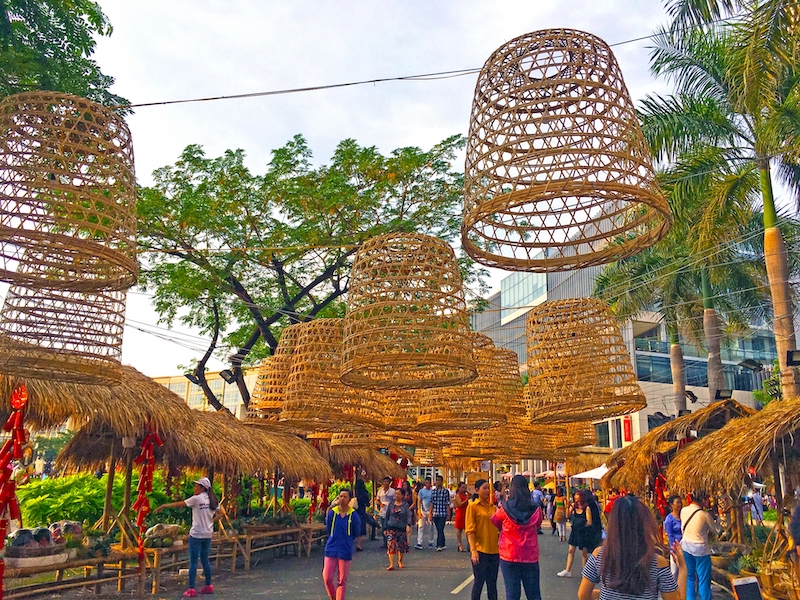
[301, 508]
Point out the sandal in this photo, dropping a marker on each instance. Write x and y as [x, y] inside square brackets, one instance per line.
[461, 548]
[390, 568]
[400, 566]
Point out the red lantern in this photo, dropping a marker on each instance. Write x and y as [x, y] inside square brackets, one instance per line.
[404, 463]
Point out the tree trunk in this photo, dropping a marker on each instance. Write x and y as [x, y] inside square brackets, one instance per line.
[678, 368]
[711, 330]
[778, 275]
[107, 507]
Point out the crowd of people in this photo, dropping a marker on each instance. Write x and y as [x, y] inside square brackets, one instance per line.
[500, 527]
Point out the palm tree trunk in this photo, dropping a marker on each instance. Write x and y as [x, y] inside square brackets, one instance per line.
[711, 330]
[778, 275]
[678, 368]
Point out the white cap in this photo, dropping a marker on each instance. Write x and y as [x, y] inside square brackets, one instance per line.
[204, 482]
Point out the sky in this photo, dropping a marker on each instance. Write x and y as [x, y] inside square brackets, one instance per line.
[200, 48]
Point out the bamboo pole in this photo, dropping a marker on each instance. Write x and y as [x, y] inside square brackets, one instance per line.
[107, 507]
[126, 501]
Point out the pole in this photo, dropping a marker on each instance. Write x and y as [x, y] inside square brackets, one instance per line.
[112, 462]
[126, 502]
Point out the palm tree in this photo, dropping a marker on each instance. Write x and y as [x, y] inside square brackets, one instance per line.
[736, 109]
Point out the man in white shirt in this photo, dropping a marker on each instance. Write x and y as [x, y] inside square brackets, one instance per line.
[385, 498]
[425, 512]
[696, 525]
[757, 506]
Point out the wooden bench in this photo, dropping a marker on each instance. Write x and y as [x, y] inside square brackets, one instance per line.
[278, 539]
[312, 532]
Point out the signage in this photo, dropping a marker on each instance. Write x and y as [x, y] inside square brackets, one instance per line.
[627, 429]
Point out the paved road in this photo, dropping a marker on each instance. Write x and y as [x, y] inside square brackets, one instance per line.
[428, 575]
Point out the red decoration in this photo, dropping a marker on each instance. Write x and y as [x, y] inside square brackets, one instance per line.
[394, 456]
[325, 502]
[147, 460]
[11, 450]
[404, 463]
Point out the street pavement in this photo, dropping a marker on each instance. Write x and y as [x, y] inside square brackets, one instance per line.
[428, 575]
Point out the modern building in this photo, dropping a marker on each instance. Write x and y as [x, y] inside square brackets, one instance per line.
[193, 395]
[503, 320]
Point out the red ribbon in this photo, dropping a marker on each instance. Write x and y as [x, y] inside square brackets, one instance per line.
[147, 460]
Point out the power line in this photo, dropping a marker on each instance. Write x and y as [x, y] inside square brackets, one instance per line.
[419, 77]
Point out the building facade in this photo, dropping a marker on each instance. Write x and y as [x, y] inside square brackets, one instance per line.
[192, 394]
[504, 317]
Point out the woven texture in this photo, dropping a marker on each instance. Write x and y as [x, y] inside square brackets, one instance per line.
[273, 375]
[558, 175]
[67, 191]
[366, 440]
[480, 404]
[66, 336]
[315, 398]
[406, 326]
[579, 368]
[426, 457]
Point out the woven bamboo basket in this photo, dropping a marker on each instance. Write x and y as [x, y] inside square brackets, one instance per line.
[320, 436]
[579, 368]
[59, 335]
[365, 440]
[427, 457]
[483, 403]
[315, 398]
[407, 325]
[510, 381]
[67, 194]
[558, 175]
[273, 375]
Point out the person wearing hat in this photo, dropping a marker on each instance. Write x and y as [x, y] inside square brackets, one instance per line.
[205, 512]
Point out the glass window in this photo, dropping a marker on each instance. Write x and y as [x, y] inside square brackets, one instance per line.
[232, 398]
[617, 434]
[601, 429]
[178, 387]
[196, 397]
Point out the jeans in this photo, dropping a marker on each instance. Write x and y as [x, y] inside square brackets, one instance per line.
[424, 526]
[698, 570]
[440, 522]
[485, 572]
[336, 587]
[199, 548]
[518, 575]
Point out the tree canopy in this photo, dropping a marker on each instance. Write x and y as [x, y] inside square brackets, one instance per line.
[243, 255]
[48, 44]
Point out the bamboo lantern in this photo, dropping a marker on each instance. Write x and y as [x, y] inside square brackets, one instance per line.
[406, 325]
[273, 375]
[364, 440]
[558, 175]
[510, 382]
[59, 335]
[325, 436]
[315, 398]
[67, 194]
[427, 457]
[579, 368]
[480, 404]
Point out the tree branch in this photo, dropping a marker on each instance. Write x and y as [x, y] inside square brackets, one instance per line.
[200, 369]
[236, 364]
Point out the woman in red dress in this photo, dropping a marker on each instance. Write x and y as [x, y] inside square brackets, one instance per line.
[461, 501]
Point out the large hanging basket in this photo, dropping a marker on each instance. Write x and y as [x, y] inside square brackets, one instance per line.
[407, 325]
[361, 440]
[483, 403]
[579, 368]
[558, 175]
[273, 375]
[67, 194]
[427, 457]
[315, 398]
[65, 336]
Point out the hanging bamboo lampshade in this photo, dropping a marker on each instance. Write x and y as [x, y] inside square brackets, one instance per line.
[59, 335]
[579, 368]
[67, 192]
[406, 325]
[328, 436]
[558, 175]
[366, 440]
[510, 382]
[483, 403]
[315, 398]
[427, 457]
[273, 375]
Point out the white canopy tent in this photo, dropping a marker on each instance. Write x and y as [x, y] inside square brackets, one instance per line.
[592, 474]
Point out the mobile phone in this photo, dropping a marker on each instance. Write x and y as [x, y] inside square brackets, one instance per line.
[746, 588]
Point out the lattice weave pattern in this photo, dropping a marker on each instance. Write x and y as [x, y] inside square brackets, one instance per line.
[406, 325]
[67, 192]
[273, 375]
[482, 403]
[579, 368]
[315, 398]
[558, 175]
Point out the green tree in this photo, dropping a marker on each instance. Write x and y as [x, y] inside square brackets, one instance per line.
[241, 255]
[48, 44]
[735, 111]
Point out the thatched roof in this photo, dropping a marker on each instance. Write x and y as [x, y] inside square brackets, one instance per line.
[630, 466]
[375, 464]
[721, 459]
[126, 408]
[588, 458]
[215, 441]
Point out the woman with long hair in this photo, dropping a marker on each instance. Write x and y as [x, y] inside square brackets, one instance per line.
[205, 512]
[627, 564]
[519, 520]
[363, 500]
[460, 500]
[560, 513]
[398, 528]
[580, 517]
[483, 539]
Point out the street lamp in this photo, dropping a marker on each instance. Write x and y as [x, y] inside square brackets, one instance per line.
[723, 395]
[793, 358]
[192, 377]
[752, 365]
[228, 376]
[690, 396]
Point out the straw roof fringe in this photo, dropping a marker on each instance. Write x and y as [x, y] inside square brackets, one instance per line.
[372, 462]
[721, 459]
[588, 458]
[630, 466]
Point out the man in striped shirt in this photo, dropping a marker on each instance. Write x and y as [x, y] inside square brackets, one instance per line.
[440, 498]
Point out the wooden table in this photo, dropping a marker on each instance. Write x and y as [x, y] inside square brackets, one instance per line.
[116, 562]
[277, 539]
[310, 533]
